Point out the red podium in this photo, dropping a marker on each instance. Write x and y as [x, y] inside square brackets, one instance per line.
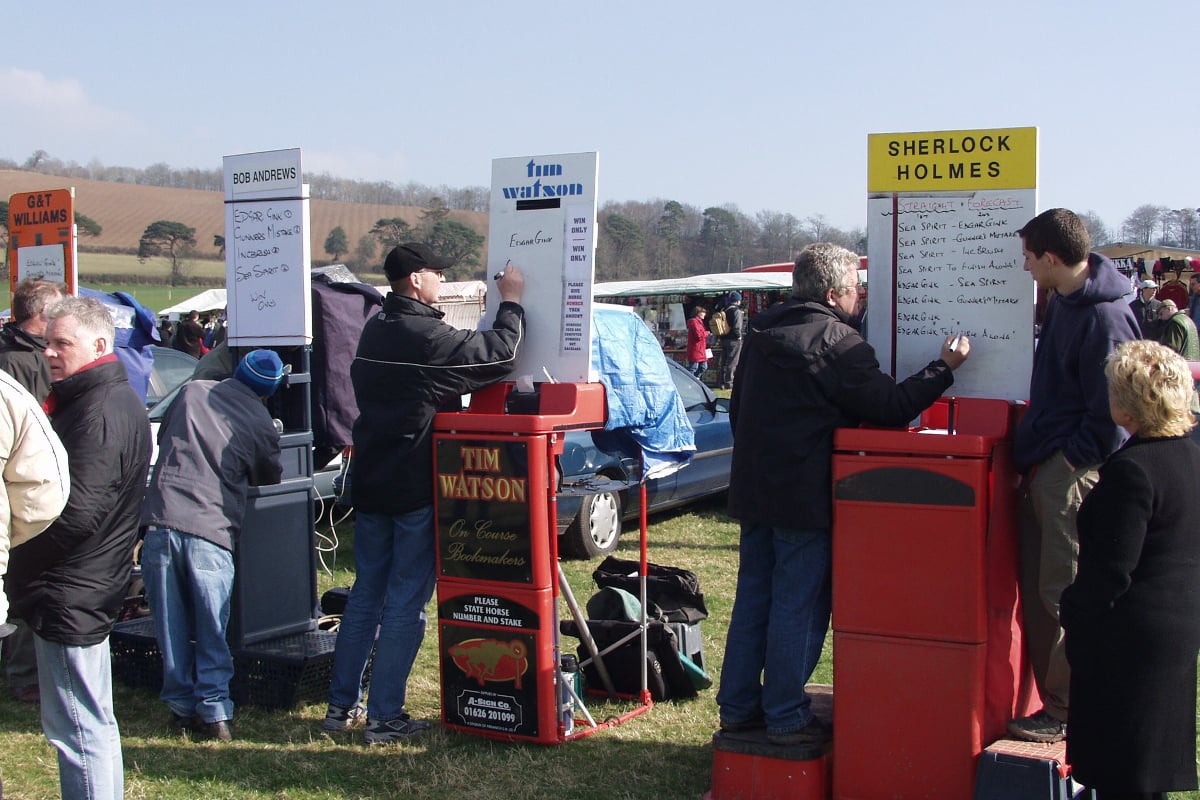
[928, 663]
[494, 501]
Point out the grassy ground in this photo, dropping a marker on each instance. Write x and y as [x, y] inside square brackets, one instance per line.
[663, 754]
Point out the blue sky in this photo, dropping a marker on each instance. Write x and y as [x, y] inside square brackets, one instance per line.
[763, 104]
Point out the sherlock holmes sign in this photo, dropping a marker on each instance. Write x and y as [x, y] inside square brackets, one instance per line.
[943, 211]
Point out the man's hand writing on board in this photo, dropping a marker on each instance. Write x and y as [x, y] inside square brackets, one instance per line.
[511, 283]
[955, 350]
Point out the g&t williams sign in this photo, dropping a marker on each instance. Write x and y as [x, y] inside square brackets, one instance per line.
[943, 211]
[543, 219]
[267, 250]
[42, 237]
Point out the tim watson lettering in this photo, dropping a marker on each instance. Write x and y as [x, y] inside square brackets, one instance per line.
[490, 486]
[538, 188]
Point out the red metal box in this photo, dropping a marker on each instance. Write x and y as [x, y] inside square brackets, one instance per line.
[909, 540]
[907, 720]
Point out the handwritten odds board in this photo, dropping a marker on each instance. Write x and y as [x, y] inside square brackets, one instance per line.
[543, 219]
[947, 266]
[943, 263]
[267, 250]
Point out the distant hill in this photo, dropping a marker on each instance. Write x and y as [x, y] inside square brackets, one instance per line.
[124, 210]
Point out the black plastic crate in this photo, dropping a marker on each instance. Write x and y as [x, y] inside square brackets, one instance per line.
[277, 673]
[136, 660]
[281, 672]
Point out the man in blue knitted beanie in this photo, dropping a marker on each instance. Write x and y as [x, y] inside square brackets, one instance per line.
[216, 439]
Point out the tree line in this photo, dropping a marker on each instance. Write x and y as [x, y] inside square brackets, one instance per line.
[648, 239]
[322, 185]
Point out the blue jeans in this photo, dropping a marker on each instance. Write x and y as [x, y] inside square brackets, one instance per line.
[189, 582]
[697, 368]
[78, 719]
[780, 616]
[394, 561]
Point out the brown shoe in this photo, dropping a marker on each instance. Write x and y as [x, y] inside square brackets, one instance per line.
[27, 694]
[219, 730]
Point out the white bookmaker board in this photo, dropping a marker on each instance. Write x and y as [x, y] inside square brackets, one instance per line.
[543, 219]
[267, 250]
[944, 256]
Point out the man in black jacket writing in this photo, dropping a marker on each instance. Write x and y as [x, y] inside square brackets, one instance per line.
[409, 364]
[804, 371]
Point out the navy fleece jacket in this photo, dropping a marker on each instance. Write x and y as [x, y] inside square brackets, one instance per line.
[1068, 393]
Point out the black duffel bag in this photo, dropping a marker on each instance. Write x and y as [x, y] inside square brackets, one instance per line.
[676, 592]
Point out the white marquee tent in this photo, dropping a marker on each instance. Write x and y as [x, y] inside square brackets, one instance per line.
[208, 300]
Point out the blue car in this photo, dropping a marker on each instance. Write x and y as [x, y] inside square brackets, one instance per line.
[599, 490]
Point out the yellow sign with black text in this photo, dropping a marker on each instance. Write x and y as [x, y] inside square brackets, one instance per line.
[948, 161]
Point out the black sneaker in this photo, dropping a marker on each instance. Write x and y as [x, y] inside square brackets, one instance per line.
[340, 718]
[1039, 727]
[380, 731]
[815, 732]
[752, 724]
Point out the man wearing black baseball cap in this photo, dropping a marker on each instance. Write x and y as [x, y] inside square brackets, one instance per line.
[410, 364]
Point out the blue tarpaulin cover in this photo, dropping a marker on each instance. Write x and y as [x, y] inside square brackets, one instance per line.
[644, 409]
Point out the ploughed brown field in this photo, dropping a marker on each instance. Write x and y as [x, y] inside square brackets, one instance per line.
[124, 210]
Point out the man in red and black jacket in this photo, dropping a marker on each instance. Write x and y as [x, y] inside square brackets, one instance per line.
[70, 582]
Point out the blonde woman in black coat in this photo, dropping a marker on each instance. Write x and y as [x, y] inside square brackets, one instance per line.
[1132, 616]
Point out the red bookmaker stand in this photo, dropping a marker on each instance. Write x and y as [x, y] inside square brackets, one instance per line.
[928, 664]
[498, 577]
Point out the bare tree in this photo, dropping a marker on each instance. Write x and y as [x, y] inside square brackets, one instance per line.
[1138, 227]
[1179, 228]
[817, 227]
[1097, 231]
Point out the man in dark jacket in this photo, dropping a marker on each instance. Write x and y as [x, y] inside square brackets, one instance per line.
[189, 335]
[1145, 310]
[22, 340]
[1062, 439]
[69, 582]
[731, 342]
[804, 372]
[22, 344]
[215, 441]
[409, 363]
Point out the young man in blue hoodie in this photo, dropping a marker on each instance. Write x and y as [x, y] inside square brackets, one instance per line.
[1064, 436]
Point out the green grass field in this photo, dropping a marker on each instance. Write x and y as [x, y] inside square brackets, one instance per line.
[152, 296]
[285, 754]
[662, 755]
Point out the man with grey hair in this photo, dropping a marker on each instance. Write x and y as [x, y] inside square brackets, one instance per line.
[804, 371]
[21, 356]
[69, 583]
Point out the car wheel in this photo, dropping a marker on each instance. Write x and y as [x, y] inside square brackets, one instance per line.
[597, 528]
